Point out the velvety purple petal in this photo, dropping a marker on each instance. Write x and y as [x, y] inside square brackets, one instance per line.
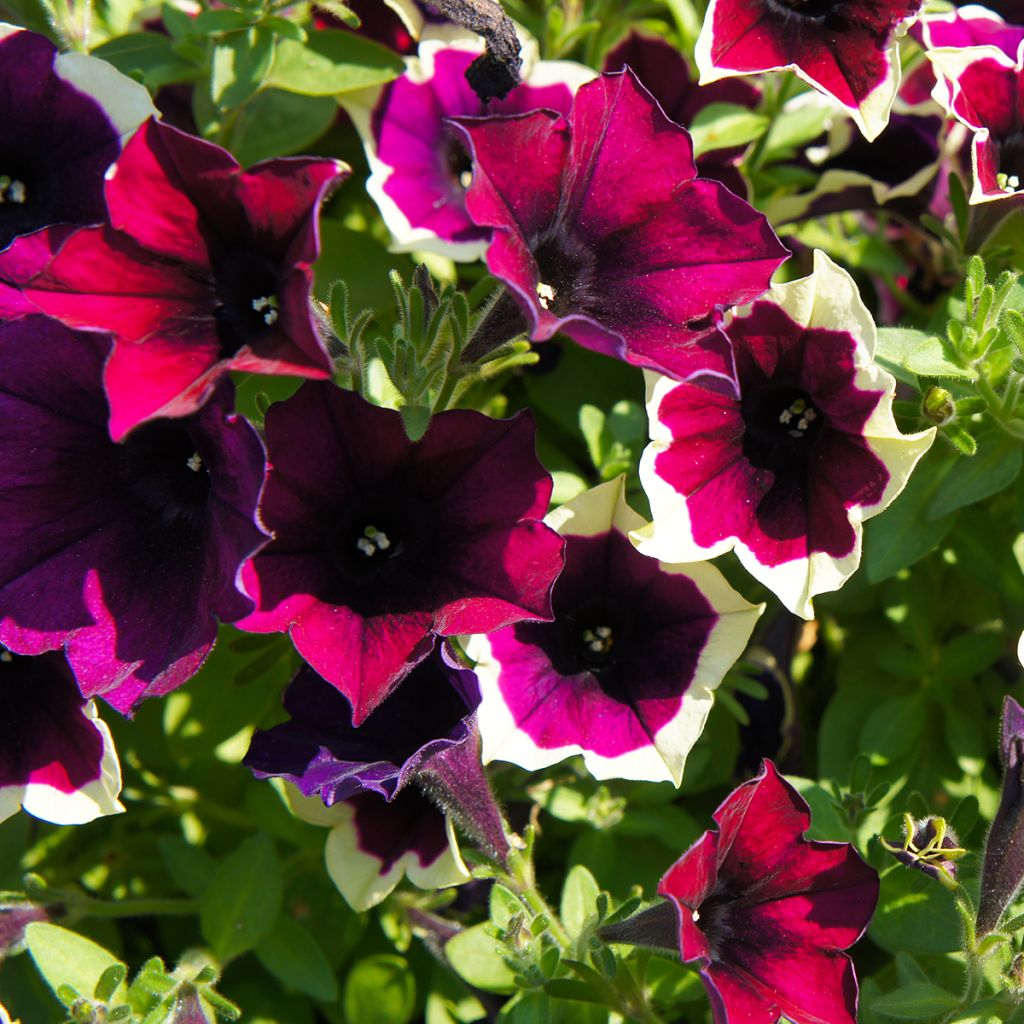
[991, 95]
[693, 877]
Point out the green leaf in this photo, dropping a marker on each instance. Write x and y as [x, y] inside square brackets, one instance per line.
[902, 534]
[797, 128]
[331, 62]
[190, 867]
[243, 899]
[904, 348]
[566, 988]
[579, 899]
[918, 1001]
[504, 906]
[292, 955]
[592, 428]
[380, 990]
[276, 123]
[214, 22]
[893, 728]
[479, 959]
[65, 958]
[915, 914]
[724, 125]
[993, 468]
[149, 56]
[240, 63]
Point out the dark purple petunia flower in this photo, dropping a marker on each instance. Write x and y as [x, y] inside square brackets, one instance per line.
[65, 117]
[123, 554]
[320, 752]
[846, 49]
[420, 166]
[786, 467]
[602, 233]
[626, 672]
[766, 913]
[381, 544]
[984, 89]
[57, 759]
[665, 73]
[204, 268]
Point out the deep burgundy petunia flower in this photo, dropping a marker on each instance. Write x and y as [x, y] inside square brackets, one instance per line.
[374, 843]
[57, 759]
[846, 49]
[625, 673]
[204, 268]
[766, 912]
[123, 554]
[65, 118]
[602, 233]
[984, 89]
[419, 163]
[665, 73]
[381, 544]
[786, 467]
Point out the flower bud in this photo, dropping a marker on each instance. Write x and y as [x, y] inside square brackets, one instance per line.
[938, 406]
[929, 845]
[1002, 870]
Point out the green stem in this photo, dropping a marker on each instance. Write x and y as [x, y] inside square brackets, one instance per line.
[995, 406]
[155, 907]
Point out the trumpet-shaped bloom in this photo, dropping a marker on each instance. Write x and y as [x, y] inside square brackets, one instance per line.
[381, 544]
[786, 467]
[419, 163]
[766, 913]
[846, 49]
[65, 118]
[57, 759]
[984, 89]
[602, 232]
[204, 268]
[625, 673]
[123, 554]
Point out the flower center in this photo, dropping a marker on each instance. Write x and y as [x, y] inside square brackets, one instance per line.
[12, 190]
[373, 542]
[782, 425]
[565, 279]
[595, 637]
[458, 163]
[161, 468]
[1011, 162]
[246, 288]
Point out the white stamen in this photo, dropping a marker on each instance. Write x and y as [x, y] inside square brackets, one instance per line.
[366, 546]
[546, 294]
[695, 916]
[195, 462]
[466, 179]
[599, 640]
[12, 190]
[785, 416]
[372, 541]
[267, 305]
[798, 408]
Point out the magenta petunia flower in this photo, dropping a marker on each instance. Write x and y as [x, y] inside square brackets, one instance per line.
[123, 554]
[665, 73]
[602, 233]
[846, 49]
[204, 268]
[984, 89]
[381, 544]
[787, 466]
[419, 162]
[626, 672]
[374, 843]
[766, 913]
[57, 759]
[65, 118]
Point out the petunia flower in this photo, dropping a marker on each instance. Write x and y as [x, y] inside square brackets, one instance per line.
[625, 673]
[785, 467]
[204, 268]
[381, 544]
[983, 88]
[419, 162]
[57, 758]
[846, 49]
[665, 73]
[374, 843]
[766, 913]
[123, 554]
[928, 845]
[65, 118]
[602, 232]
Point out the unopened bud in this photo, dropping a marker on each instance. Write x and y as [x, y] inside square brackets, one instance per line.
[929, 845]
[938, 406]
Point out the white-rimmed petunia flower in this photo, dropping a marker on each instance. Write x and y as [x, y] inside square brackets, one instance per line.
[787, 466]
[846, 49]
[374, 843]
[57, 758]
[420, 167]
[625, 673]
